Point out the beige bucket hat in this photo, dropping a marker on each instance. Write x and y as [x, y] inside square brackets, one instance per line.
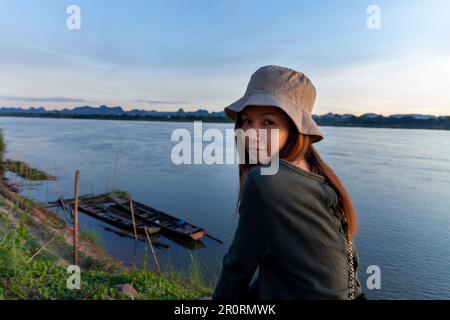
[282, 87]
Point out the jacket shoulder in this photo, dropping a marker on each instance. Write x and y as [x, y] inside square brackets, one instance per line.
[264, 181]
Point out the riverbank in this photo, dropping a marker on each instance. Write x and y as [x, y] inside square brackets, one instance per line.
[36, 249]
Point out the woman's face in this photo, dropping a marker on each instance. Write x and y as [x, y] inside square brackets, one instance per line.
[268, 118]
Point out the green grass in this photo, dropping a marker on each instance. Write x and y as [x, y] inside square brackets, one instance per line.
[25, 171]
[121, 193]
[43, 278]
[2, 151]
[91, 236]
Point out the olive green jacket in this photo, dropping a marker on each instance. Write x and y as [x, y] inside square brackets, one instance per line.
[290, 228]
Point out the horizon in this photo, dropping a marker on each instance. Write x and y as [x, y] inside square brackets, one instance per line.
[168, 55]
[210, 111]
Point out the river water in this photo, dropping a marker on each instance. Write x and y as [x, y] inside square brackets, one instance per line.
[399, 181]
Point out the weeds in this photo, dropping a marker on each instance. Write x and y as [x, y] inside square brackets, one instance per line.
[25, 171]
[44, 278]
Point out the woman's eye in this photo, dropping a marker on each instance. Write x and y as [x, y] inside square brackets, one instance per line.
[245, 121]
[268, 122]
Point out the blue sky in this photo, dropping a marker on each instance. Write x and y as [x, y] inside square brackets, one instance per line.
[200, 53]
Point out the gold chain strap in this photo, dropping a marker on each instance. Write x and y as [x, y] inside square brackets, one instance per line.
[351, 293]
[352, 276]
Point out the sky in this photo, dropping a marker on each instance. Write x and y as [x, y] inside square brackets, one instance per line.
[194, 54]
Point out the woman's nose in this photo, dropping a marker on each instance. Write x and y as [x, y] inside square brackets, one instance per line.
[255, 134]
[257, 129]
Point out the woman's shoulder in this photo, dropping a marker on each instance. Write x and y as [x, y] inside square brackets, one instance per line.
[287, 173]
[258, 177]
[287, 183]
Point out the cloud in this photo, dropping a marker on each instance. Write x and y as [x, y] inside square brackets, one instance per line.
[409, 83]
[43, 99]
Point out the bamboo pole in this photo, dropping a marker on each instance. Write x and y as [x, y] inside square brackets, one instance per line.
[75, 220]
[153, 251]
[42, 248]
[214, 238]
[46, 185]
[134, 221]
[91, 185]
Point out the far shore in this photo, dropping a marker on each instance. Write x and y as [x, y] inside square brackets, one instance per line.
[442, 123]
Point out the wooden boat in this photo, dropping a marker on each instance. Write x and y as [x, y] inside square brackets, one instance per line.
[168, 223]
[115, 209]
[104, 211]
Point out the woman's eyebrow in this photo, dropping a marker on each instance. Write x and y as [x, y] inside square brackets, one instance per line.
[269, 113]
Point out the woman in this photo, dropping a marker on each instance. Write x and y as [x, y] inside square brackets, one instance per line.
[296, 226]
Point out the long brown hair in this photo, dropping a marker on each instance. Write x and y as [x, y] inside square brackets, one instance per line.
[298, 146]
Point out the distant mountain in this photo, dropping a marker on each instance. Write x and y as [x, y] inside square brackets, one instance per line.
[109, 111]
[411, 121]
[371, 115]
[420, 121]
[416, 116]
[87, 110]
[105, 112]
[20, 110]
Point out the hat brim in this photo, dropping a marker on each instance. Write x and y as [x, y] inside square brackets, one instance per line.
[302, 119]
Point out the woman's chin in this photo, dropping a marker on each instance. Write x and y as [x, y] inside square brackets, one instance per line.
[255, 153]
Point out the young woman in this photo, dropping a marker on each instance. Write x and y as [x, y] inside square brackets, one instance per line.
[296, 226]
